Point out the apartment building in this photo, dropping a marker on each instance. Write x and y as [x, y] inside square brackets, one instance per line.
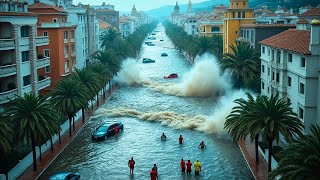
[21, 56]
[109, 15]
[290, 63]
[52, 22]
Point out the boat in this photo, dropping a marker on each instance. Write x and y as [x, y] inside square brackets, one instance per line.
[164, 54]
[173, 75]
[148, 60]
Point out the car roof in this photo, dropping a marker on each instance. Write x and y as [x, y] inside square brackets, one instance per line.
[59, 175]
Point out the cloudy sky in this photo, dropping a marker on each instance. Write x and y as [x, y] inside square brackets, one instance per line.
[141, 5]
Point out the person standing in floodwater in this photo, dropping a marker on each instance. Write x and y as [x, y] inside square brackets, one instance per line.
[202, 145]
[180, 139]
[197, 167]
[153, 174]
[183, 165]
[189, 165]
[131, 164]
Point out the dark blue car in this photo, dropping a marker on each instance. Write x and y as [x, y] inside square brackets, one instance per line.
[105, 130]
[65, 176]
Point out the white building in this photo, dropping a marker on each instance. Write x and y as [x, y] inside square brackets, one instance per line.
[19, 63]
[290, 63]
[191, 25]
[127, 25]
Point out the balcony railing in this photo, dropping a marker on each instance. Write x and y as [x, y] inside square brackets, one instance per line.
[8, 95]
[73, 53]
[43, 62]
[6, 44]
[44, 83]
[8, 70]
[55, 24]
[42, 40]
[65, 40]
[72, 40]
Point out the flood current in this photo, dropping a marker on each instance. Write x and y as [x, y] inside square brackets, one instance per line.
[149, 105]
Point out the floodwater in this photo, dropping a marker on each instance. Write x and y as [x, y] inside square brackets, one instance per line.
[141, 110]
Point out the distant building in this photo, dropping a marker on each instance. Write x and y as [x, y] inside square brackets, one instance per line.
[189, 7]
[52, 22]
[310, 15]
[21, 52]
[212, 24]
[237, 15]
[175, 15]
[219, 9]
[126, 26]
[191, 25]
[290, 66]
[108, 15]
[254, 33]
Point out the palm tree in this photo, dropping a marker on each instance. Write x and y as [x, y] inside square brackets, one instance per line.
[236, 122]
[217, 44]
[68, 97]
[6, 135]
[89, 79]
[33, 117]
[110, 59]
[108, 37]
[301, 160]
[242, 64]
[104, 75]
[205, 45]
[274, 116]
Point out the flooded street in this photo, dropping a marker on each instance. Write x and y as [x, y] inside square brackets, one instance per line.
[147, 113]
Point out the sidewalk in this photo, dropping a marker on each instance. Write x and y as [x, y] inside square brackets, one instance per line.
[259, 171]
[49, 156]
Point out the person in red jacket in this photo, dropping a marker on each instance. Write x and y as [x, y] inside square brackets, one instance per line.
[153, 174]
[116, 129]
[131, 164]
[189, 165]
[183, 165]
[180, 139]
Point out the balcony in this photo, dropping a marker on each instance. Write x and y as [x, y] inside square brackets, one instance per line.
[8, 70]
[73, 53]
[66, 55]
[42, 40]
[6, 44]
[43, 83]
[43, 62]
[72, 40]
[282, 66]
[56, 24]
[65, 40]
[6, 96]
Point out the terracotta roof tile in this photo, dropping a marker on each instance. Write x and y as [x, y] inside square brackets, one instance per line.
[40, 5]
[16, 14]
[311, 12]
[291, 40]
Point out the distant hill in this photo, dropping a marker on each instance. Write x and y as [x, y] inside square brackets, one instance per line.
[167, 10]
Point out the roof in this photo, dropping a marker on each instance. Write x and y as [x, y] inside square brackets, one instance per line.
[311, 12]
[16, 14]
[291, 40]
[40, 5]
[303, 21]
[267, 25]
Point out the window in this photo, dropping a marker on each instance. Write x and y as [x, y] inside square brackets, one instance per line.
[301, 113]
[303, 62]
[65, 34]
[47, 69]
[278, 56]
[262, 85]
[262, 69]
[72, 34]
[289, 81]
[239, 14]
[66, 49]
[66, 66]
[26, 80]
[25, 56]
[233, 15]
[193, 26]
[46, 53]
[268, 71]
[236, 32]
[54, 20]
[237, 4]
[215, 29]
[45, 33]
[268, 52]
[288, 100]
[268, 89]
[244, 5]
[301, 89]
[263, 49]
[272, 75]
[243, 15]
[24, 31]
[277, 77]
[289, 57]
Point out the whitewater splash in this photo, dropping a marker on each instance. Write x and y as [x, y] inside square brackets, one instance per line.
[202, 80]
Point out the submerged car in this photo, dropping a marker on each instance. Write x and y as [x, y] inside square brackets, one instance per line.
[151, 44]
[148, 42]
[152, 38]
[65, 176]
[173, 75]
[161, 39]
[148, 60]
[164, 54]
[105, 130]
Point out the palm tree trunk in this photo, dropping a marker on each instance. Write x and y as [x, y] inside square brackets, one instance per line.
[34, 155]
[51, 144]
[256, 143]
[97, 99]
[83, 118]
[40, 154]
[7, 176]
[74, 128]
[104, 92]
[270, 154]
[70, 126]
[59, 134]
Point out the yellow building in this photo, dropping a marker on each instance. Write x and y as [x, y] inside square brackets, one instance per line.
[210, 26]
[238, 14]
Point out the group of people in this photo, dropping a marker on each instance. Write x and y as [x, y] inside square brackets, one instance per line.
[164, 138]
[188, 166]
[153, 173]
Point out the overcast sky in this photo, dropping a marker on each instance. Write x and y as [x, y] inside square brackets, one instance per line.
[141, 5]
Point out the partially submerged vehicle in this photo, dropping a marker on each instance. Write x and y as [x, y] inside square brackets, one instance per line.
[164, 54]
[106, 130]
[173, 75]
[148, 60]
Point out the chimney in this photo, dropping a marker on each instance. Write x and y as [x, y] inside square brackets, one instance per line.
[315, 37]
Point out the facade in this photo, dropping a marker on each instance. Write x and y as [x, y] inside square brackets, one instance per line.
[210, 25]
[310, 14]
[109, 15]
[290, 66]
[52, 21]
[126, 26]
[175, 15]
[238, 14]
[19, 46]
[191, 25]
[254, 33]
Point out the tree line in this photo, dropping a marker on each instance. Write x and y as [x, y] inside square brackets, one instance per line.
[31, 120]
